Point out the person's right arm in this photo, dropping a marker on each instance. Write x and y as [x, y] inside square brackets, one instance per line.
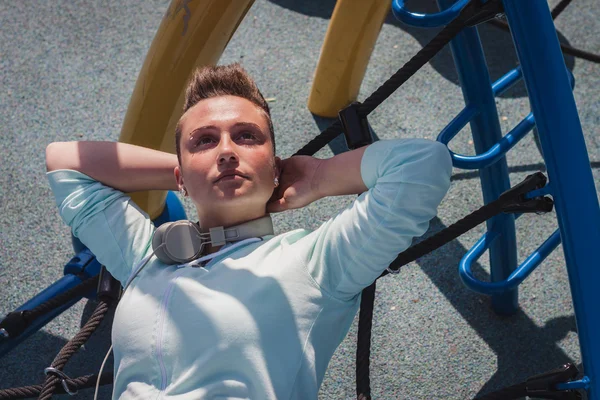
[89, 181]
[122, 166]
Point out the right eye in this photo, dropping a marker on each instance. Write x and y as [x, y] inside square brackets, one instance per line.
[204, 140]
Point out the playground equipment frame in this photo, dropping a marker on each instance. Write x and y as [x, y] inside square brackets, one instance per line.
[195, 33]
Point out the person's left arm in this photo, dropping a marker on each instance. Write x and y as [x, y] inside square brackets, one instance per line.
[404, 181]
[340, 175]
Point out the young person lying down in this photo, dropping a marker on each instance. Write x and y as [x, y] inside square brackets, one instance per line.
[260, 317]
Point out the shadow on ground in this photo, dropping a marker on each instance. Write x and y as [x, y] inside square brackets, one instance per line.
[497, 44]
[523, 349]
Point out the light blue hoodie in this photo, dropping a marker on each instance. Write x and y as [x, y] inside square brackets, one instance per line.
[262, 319]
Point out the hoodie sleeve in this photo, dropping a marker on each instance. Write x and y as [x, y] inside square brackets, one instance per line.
[106, 220]
[407, 179]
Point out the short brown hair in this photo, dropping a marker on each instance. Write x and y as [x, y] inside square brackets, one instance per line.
[223, 80]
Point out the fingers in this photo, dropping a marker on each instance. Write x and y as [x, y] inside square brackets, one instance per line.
[277, 206]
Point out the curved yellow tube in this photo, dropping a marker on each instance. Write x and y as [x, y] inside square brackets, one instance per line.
[191, 34]
[349, 42]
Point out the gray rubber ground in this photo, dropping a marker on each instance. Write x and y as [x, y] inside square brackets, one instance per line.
[67, 70]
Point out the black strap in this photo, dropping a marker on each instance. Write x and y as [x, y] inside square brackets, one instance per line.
[363, 349]
[513, 200]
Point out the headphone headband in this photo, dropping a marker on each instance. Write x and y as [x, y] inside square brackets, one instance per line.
[183, 241]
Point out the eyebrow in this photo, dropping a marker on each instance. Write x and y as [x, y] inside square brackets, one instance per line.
[236, 125]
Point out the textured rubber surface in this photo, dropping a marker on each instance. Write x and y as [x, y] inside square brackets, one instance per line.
[67, 71]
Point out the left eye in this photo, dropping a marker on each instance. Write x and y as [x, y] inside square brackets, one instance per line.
[247, 135]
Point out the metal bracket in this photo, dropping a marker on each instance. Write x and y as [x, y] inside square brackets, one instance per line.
[488, 10]
[515, 199]
[544, 385]
[13, 324]
[63, 379]
[356, 128]
[109, 288]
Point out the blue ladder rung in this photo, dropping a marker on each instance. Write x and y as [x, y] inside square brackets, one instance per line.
[517, 276]
[499, 150]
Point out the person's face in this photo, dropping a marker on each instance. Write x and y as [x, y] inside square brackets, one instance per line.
[227, 134]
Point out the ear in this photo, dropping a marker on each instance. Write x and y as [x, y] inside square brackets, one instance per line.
[178, 176]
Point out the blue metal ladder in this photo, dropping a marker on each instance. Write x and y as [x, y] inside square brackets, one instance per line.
[549, 85]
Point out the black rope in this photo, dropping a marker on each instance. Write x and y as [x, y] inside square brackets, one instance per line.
[512, 200]
[412, 253]
[560, 7]
[402, 75]
[108, 292]
[71, 348]
[83, 382]
[363, 390]
[448, 234]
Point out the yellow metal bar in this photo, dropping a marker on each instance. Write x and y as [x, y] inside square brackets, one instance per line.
[191, 34]
[349, 42]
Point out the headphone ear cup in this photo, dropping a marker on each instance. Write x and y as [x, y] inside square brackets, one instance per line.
[157, 240]
[182, 242]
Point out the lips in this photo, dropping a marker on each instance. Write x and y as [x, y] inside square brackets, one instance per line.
[230, 173]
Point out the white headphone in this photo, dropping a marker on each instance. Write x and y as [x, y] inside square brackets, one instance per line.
[183, 241]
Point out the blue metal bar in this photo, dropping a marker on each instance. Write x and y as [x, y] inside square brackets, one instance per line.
[515, 279]
[467, 113]
[86, 270]
[498, 150]
[568, 165]
[477, 90]
[456, 125]
[173, 210]
[506, 81]
[546, 190]
[427, 20]
[583, 383]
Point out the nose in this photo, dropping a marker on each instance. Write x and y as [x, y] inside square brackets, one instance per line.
[227, 153]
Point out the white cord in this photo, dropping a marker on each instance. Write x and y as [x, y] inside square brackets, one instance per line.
[137, 270]
[99, 373]
[143, 263]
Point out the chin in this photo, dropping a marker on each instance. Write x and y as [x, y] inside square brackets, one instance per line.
[240, 198]
[234, 196]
